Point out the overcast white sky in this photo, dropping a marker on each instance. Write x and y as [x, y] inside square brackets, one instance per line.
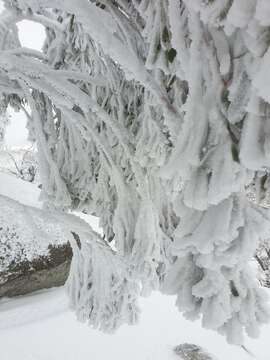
[31, 36]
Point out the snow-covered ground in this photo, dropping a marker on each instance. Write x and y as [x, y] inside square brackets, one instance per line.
[24, 192]
[28, 194]
[40, 327]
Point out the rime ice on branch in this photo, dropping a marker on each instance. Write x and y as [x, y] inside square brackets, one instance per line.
[154, 116]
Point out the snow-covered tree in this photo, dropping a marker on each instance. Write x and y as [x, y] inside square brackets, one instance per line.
[22, 164]
[262, 257]
[154, 116]
[3, 125]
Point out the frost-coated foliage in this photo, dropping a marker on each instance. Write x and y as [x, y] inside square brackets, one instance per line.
[154, 116]
[3, 125]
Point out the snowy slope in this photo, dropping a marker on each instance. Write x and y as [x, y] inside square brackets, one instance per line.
[28, 194]
[40, 327]
[17, 189]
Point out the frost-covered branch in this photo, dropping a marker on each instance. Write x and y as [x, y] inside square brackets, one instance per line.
[153, 115]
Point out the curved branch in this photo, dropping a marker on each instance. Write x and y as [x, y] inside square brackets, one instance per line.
[26, 52]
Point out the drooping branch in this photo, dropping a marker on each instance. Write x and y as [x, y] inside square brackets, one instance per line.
[147, 116]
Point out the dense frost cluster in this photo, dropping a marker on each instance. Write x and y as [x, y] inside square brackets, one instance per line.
[154, 116]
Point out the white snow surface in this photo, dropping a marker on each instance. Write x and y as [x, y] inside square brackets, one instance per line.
[24, 192]
[28, 194]
[40, 327]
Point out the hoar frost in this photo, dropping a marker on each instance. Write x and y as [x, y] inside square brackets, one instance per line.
[153, 116]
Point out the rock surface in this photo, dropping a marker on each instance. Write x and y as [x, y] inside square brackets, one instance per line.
[41, 273]
[192, 352]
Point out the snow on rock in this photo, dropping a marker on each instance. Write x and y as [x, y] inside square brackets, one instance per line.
[25, 234]
[18, 242]
[25, 237]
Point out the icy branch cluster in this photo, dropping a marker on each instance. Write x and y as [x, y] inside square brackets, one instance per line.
[154, 116]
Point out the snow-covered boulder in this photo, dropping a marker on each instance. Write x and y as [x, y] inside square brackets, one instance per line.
[42, 272]
[34, 250]
[34, 243]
